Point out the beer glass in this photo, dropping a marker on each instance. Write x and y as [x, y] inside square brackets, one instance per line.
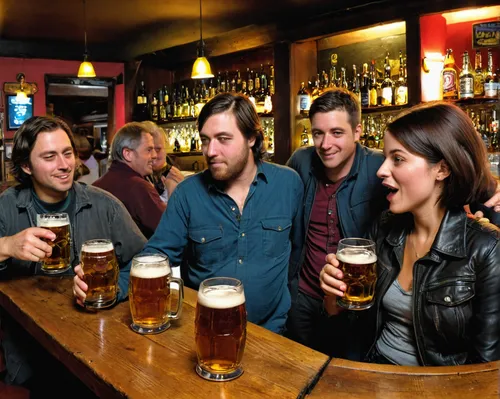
[100, 269]
[149, 294]
[58, 223]
[358, 262]
[220, 328]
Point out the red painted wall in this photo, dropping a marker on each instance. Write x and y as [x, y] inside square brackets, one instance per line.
[35, 70]
[437, 36]
[459, 38]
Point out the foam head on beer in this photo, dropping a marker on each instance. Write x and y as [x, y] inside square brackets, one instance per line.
[97, 248]
[356, 256]
[150, 266]
[50, 223]
[221, 297]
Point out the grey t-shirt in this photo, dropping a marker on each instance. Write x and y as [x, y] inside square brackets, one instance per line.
[397, 341]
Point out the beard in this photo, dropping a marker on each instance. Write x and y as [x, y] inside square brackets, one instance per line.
[230, 169]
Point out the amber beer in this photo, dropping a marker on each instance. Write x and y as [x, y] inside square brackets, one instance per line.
[358, 262]
[100, 269]
[149, 294]
[220, 328]
[58, 223]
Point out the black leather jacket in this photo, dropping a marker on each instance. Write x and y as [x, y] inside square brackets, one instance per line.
[456, 288]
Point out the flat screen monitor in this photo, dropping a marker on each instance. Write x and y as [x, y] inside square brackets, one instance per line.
[18, 111]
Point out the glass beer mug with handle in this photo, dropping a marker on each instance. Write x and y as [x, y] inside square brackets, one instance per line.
[58, 223]
[358, 262]
[220, 328]
[149, 294]
[100, 273]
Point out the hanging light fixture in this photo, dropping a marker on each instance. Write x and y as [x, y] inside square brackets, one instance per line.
[201, 67]
[21, 96]
[86, 69]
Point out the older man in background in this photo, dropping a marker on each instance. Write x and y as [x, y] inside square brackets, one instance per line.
[133, 156]
[165, 176]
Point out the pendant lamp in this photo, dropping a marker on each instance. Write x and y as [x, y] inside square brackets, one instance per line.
[86, 69]
[201, 67]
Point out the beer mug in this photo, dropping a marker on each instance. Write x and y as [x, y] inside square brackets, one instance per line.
[58, 223]
[100, 273]
[220, 328]
[358, 262]
[149, 294]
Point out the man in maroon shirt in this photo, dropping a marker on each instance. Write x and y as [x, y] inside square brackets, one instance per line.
[133, 153]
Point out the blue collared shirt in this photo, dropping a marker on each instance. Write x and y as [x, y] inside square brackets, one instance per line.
[203, 228]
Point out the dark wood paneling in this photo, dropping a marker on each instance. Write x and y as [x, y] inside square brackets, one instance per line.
[282, 103]
[413, 59]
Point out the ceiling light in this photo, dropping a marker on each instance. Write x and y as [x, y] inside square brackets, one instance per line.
[201, 67]
[86, 69]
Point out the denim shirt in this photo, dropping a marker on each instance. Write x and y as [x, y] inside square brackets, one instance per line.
[204, 229]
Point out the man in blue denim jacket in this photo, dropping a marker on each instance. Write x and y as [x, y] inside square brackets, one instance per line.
[44, 163]
[240, 218]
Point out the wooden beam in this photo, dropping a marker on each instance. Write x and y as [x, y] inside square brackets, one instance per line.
[282, 103]
[58, 50]
[369, 14]
[413, 60]
[241, 39]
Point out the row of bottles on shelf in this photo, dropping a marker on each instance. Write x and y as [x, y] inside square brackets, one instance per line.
[486, 123]
[468, 82]
[184, 136]
[372, 87]
[373, 127]
[183, 101]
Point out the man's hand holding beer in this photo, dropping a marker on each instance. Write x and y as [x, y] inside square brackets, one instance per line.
[331, 283]
[27, 245]
[79, 286]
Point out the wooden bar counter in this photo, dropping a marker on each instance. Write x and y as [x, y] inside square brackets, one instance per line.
[113, 361]
[343, 379]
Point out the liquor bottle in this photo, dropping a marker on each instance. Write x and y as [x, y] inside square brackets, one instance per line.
[365, 87]
[373, 85]
[343, 79]
[166, 104]
[141, 109]
[494, 133]
[238, 81]
[352, 83]
[218, 88]
[325, 81]
[185, 102]
[272, 88]
[303, 100]
[387, 84]
[333, 76]
[163, 110]
[228, 81]
[449, 81]
[192, 108]
[466, 78]
[154, 107]
[223, 87]
[356, 86]
[250, 82]
[478, 75]
[256, 84]
[490, 81]
[304, 138]
[315, 88]
[233, 84]
[401, 84]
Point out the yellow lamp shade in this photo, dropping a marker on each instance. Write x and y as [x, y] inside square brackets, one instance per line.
[201, 69]
[86, 70]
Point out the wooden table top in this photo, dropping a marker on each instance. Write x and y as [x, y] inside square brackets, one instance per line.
[343, 379]
[113, 361]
